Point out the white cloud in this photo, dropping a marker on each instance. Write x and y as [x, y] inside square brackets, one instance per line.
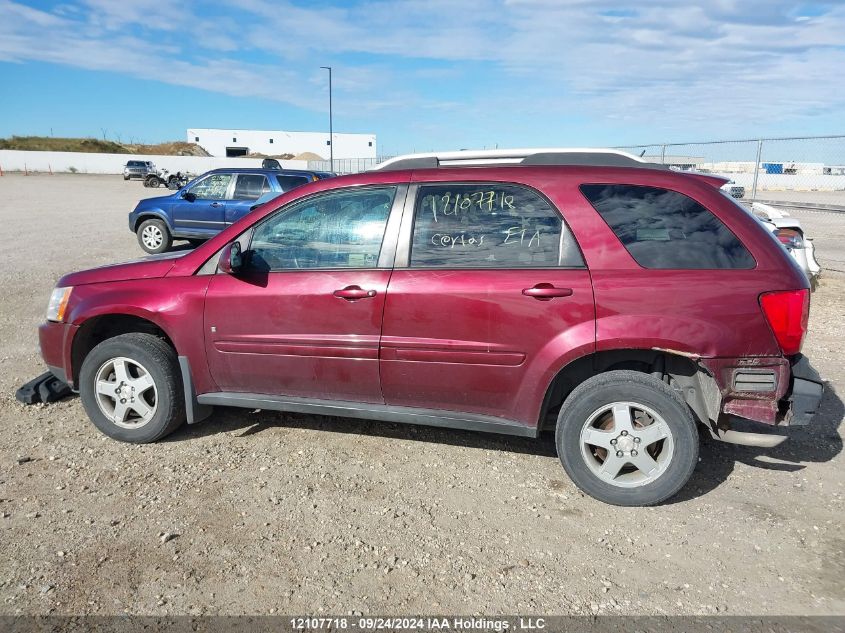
[685, 64]
[102, 43]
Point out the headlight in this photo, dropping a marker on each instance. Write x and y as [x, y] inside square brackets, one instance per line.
[58, 304]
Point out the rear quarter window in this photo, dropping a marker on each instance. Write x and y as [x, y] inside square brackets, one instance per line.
[665, 229]
[291, 182]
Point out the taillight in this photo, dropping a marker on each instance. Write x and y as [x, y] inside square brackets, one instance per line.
[790, 238]
[787, 312]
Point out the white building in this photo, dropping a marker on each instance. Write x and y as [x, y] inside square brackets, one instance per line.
[219, 142]
[679, 162]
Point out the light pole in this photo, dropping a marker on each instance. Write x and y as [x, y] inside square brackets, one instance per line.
[331, 135]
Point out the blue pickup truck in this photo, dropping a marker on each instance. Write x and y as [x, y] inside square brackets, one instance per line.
[208, 204]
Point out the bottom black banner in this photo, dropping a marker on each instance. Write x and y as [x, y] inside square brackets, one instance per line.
[427, 623]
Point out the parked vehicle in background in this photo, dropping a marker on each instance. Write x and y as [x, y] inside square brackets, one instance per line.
[166, 178]
[272, 163]
[138, 169]
[790, 233]
[733, 190]
[202, 208]
[615, 301]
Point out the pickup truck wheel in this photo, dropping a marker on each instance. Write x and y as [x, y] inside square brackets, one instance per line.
[131, 388]
[153, 236]
[626, 438]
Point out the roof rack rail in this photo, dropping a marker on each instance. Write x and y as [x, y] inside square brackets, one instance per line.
[590, 157]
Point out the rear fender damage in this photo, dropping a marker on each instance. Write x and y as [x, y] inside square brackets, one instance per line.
[709, 393]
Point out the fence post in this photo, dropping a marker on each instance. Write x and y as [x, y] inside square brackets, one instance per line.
[663, 155]
[756, 170]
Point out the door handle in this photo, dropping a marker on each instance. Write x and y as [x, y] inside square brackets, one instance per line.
[353, 293]
[215, 204]
[546, 292]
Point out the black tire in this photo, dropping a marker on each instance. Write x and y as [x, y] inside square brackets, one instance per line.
[148, 241]
[126, 177]
[160, 360]
[637, 388]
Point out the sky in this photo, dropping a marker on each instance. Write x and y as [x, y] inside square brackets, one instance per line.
[426, 74]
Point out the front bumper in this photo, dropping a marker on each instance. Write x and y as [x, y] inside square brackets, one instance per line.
[56, 341]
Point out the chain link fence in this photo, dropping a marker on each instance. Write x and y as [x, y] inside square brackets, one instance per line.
[346, 165]
[798, 171]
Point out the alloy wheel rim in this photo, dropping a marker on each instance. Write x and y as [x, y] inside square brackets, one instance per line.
[126, 392]
[152, 236]
[626, 444]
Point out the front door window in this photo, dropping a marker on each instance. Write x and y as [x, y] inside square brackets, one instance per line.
[213, 187]
[343, 229]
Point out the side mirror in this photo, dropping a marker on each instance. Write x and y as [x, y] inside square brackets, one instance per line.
[231, 260]
[187, 195]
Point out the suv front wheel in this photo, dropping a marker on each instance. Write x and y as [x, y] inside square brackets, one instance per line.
[131, 388]
[626, 438]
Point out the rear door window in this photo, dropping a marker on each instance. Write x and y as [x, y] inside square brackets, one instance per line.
[250, 187]
[667, 230]
[488, 225]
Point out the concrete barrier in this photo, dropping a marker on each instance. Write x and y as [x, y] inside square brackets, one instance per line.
[85, 163]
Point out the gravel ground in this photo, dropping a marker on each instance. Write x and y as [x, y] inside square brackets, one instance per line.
[259, 512]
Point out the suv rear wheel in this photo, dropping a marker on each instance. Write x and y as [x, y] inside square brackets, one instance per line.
[627, 438]
[153, 236]
[131, 389]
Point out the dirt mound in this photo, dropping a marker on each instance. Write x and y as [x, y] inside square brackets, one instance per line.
[308, 156]
[276, 156]
[172, 148]
[97, 146]
[57, 144]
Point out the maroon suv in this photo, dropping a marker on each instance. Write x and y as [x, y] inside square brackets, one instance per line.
[617, 301]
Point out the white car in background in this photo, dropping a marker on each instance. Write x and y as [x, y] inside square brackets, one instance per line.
[790, 233]
[733, 190]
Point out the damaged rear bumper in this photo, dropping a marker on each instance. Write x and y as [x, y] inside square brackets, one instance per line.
[775, 393]
[805, 394]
